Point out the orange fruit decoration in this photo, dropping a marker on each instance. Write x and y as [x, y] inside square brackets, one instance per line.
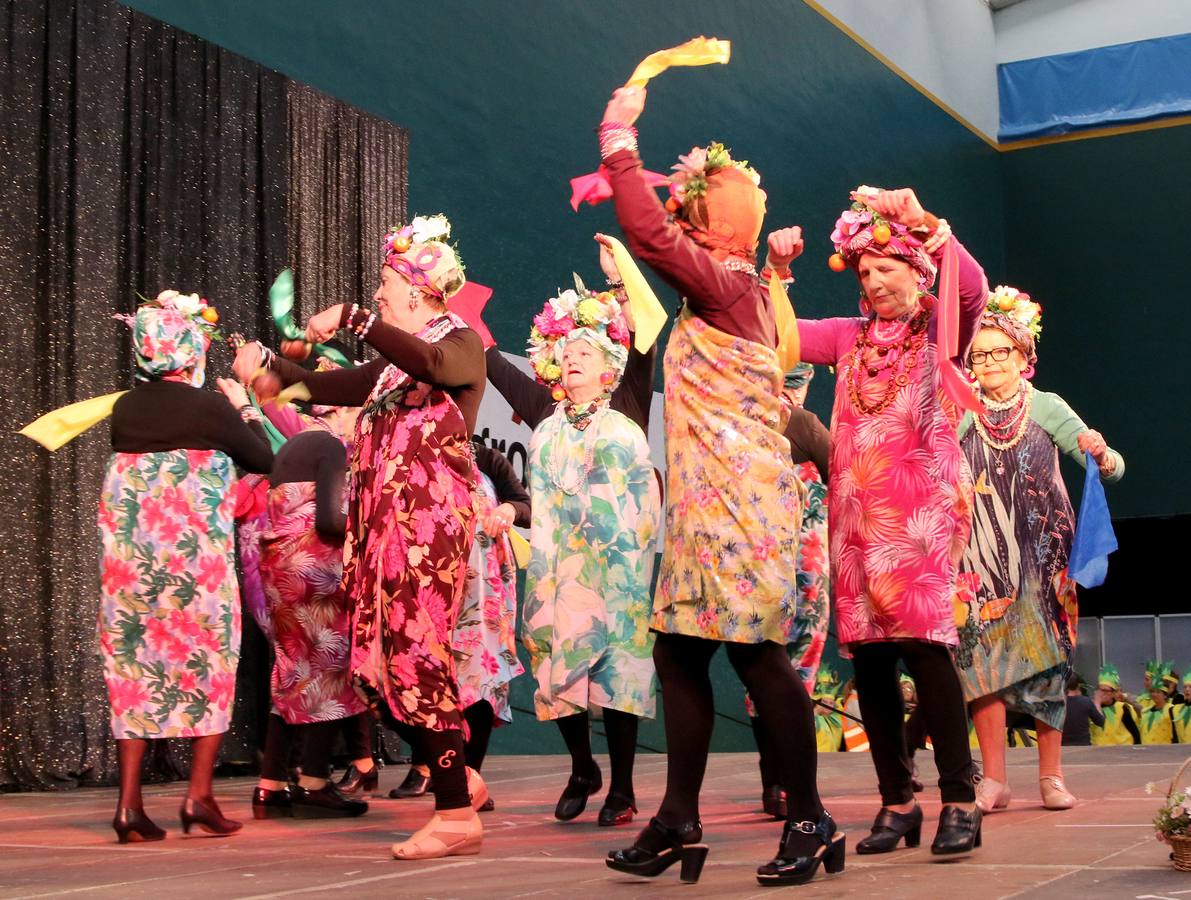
[836, 263]
[882, 234]
[605, 296]
[1006, 303]
[672, 205]
[401, 243]
[210, 314]
[558, 394]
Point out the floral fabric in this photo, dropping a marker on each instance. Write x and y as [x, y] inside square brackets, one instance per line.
[1015, 606]
[410, 526]
[485, 643]
[587, 587]
[169, 614]
[734, 502]
[302, 578]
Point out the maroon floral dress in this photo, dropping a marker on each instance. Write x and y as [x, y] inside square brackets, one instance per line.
[410, 526]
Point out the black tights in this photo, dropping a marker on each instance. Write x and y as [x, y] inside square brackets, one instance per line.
[940, 703]
[314, 739]
[480, 719]
[682, 664]
[620, 728]
[441, 752]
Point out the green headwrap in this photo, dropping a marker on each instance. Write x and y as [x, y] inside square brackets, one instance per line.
[1110, 676]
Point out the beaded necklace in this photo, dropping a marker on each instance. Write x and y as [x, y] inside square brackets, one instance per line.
[556, 461]
[897, 352]
[1007, 434]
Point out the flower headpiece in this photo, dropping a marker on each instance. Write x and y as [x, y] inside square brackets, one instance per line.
[718, 201]
[861, 229]
[1109, 676]
[420, 253]
[171, 333]
[1160, 671]
[1020, 318]
[577, 314]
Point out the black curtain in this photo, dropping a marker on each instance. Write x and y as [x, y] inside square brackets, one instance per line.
[133, 157]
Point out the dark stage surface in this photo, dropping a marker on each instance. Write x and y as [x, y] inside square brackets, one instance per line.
[60, 844]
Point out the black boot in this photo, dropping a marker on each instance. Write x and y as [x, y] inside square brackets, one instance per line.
[325, 803]
[267, 804]
[658, 847]
[959, 831]
[804, 845]
[574, 796]
[889, 828]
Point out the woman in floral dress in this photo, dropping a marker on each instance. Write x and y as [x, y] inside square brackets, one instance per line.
[595, 517]
[169, 617]
[900, 510]
[733, 502]
[411, 516]
[1016, 606]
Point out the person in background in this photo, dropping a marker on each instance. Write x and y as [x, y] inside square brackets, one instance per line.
[1182, 711]
[1156, 721]
[1120, 714]
[1082, 711]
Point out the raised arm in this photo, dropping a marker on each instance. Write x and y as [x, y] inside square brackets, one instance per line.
[1072, 436]
[530, 401]
[634, 395]
[973, 296]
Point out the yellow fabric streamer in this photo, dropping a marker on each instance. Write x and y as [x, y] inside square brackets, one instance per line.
[789, 348]
[520, 548]
[295, 393]
[649, 316]
[700, 51]
[61, 426]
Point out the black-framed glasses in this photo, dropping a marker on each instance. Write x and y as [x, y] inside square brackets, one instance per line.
[997, 354]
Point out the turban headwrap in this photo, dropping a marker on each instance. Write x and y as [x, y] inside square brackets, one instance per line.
[719, 202]
[166, 340]
[419, 253]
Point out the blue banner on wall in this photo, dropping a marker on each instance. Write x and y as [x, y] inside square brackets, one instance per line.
[1114, 85]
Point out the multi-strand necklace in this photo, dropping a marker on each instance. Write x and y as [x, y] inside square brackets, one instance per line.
[1008, 433]
[884, 346]
[581, 419]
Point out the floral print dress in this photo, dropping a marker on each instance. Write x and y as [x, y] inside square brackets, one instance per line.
[169, 615]
[486, 633]
[586, 619]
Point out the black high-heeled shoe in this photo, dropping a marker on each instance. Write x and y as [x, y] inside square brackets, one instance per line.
[206, 814]
[890, 827]
[574, 796]
[959, 831]
[617, 810]
[270, 804]
[415, 785]
[773, 801]
[133, 826]
[658, 847]
[356, 782]
[804, 845]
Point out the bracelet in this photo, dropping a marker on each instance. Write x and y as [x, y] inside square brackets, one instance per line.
[352, 314]
[267, 356]
[615, 137]
[249, 413]
[362, 333]
[615, 285]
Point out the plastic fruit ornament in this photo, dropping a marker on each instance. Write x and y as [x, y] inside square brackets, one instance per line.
[401, 243]
[296, 350]
[836, 263]
[558, 393]
[1006, 303]
[210, 314]
[672, 205]
[882, 234]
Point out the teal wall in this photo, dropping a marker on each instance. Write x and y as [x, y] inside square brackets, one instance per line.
[1095, 231]
[501, 101]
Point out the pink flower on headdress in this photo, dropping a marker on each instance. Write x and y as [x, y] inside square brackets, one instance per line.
[166, 296]
[617, 332]
[691, 164]
[848, 225]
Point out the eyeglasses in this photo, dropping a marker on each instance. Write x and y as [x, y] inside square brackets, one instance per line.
[998, 354]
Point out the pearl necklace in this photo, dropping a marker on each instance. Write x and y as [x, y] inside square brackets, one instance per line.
[556, 460]
[1005, 435]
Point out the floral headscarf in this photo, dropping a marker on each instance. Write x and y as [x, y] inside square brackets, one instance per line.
[1013, 313]
[578, 315]
[171, 335]
[420, 253]
[860, 229]
[718, 202]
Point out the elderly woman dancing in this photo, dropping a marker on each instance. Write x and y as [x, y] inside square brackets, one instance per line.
[900, 506]
[411, 516]
[1016, 604]
[733, 499]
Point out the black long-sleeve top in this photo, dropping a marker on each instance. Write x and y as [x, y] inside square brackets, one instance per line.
[318, 456]
[455, 364]
[809, 440]
[532, 402]
[157, 416]
[509, 488]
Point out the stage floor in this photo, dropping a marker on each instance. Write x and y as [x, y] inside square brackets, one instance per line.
[58, 844]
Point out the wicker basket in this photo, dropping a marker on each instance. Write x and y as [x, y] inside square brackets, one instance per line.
[1180, 844]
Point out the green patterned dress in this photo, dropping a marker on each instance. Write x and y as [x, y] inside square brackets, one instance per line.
[587, 608]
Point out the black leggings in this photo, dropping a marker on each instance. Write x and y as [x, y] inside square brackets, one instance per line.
[480, 720]
[440, 751]
[682, 664]
[620, 728]
[940, 703]
[359, 735]
[314, 740]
